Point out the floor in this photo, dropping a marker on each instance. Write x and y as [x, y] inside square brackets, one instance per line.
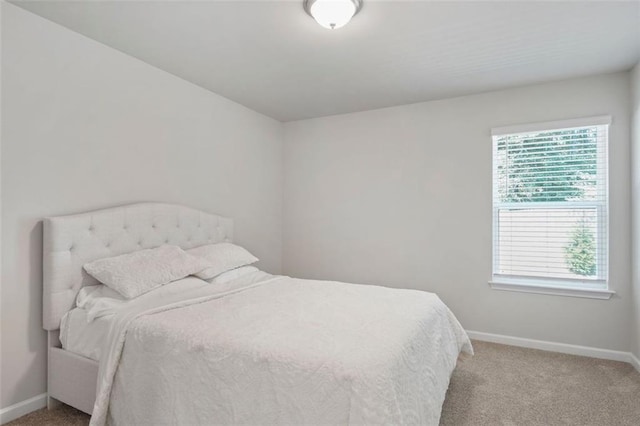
[505, 385]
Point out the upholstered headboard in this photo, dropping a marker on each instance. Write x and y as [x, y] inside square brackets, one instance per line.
[71, 241]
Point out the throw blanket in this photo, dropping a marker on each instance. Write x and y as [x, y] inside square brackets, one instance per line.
[281, 351]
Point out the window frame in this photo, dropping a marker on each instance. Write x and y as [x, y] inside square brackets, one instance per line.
[591, 288]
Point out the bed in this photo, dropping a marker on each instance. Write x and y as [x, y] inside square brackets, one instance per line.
[254, 349]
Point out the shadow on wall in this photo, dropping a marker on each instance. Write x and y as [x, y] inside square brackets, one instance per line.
[37, 336]
[37, 333]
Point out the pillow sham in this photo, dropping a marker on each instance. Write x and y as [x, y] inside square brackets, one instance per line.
[136, 273]
[233, 274]
[88, 294]
[222, 257]
[99, 299]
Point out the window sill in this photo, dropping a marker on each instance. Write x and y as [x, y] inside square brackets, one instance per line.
[589, 293]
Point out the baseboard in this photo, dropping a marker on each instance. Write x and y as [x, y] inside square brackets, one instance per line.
[635, 362]
[557, 347]
[14, 411]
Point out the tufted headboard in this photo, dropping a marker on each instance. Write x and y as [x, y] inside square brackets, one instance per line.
[71, 241]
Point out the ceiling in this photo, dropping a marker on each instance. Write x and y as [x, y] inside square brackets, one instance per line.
[272, 57]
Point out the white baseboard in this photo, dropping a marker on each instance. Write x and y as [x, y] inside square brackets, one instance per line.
[557, 347]
[14, 411]
[635, 362]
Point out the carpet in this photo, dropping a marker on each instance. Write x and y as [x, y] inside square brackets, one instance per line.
[504, 385]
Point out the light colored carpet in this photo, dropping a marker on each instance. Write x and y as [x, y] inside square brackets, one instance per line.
[505, 385]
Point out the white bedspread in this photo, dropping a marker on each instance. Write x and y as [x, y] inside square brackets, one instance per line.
[278, 350]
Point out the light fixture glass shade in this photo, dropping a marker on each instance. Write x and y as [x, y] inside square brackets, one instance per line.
[332, 14]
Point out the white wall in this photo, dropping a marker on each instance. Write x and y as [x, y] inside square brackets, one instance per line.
[635, 200]
[402, 197]
[86, 127]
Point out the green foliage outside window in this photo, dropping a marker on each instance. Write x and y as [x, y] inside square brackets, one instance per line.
[581, 251]
[548, 167]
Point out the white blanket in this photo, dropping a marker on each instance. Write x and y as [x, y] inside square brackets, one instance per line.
[280, 351]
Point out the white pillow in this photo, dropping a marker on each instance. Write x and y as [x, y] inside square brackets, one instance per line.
[136, 273]
[98, 300]
[222, 257]
[233, 274]
[87, 295]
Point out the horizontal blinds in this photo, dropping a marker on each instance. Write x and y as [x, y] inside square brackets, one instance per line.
[550, 203]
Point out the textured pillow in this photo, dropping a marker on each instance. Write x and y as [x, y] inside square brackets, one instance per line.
[222, 257]
[136, 273]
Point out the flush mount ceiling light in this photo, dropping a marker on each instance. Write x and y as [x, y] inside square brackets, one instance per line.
[332, 14]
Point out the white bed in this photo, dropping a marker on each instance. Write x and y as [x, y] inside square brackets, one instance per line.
[256, 349]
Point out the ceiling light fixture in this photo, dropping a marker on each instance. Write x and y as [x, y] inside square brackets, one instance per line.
[332, 14]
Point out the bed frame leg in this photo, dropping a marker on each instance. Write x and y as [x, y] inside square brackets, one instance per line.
[53, 341]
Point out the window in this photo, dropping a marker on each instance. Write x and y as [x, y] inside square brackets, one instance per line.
[550, 208]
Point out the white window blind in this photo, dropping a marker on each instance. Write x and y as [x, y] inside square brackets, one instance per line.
[550, 203]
